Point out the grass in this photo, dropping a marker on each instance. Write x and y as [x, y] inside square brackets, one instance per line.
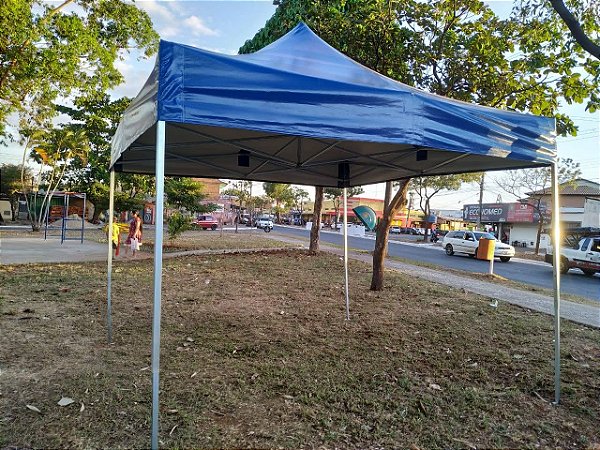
[256, 354]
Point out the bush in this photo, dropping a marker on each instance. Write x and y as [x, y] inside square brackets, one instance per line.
[177, 225]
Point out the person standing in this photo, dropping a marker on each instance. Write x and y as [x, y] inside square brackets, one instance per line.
[116, 236]
[134, 237]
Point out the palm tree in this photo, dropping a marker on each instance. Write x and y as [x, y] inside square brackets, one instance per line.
[281, 194]
[53, 149]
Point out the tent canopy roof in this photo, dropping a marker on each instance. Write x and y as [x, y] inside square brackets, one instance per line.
[299, 111]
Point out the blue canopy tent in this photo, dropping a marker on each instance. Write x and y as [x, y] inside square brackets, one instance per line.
[299, 111]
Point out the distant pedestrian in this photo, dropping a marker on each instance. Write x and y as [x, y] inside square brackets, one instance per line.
[134, 237]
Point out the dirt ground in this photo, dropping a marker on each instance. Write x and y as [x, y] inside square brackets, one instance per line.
[256, 354]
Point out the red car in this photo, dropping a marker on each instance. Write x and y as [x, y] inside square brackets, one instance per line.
[206, 222]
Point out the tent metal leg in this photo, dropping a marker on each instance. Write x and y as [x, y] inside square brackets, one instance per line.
[346, 253]
[111, 212]
[556, 235]
[158, 243]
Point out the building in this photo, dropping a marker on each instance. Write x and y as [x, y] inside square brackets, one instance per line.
[328, 213]
[575, 197]
[212, 188]
[519, 222]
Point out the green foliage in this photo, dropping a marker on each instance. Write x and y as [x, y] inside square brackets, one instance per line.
[280, 193]
[240, 190]
[185, 193]
[55, 148]
[299, 197]
[50, 50]
[456, 48]
[11, 182]
[337, 194]
[10, 179]
[99, 117]
[98, 194]
[178, 223]
[427, 187]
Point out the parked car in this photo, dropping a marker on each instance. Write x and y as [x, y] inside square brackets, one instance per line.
[244, 219]
[468, 241]
[264, 222]
[585, 255]
[206, 222]
[395, 229]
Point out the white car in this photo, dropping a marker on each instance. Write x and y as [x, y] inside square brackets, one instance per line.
[394, 229]
[468, 241]
[264, 222]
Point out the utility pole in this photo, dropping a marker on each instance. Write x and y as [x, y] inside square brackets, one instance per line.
[410, 205]
[251, 209]
[480, 200]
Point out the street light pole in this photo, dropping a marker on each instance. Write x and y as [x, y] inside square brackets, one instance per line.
[410, 205]
[480, 200]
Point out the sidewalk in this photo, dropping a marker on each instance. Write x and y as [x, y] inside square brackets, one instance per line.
[25, 250]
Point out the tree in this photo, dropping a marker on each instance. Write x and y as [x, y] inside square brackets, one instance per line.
[99, 193]
[281, 194]
[582, 20]
[53, 150]
[185, 193]
[99, 117]
[300, 196]
[48, 51]
[382, 234]
[562, 43]
[427, 187]
[11, 184]
[536, 184]
[242, 190]
[337, 194]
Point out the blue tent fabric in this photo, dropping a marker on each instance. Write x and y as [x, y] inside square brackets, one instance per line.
[300, 109]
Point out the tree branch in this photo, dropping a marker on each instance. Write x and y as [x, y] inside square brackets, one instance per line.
[13, 63]
[571, 22]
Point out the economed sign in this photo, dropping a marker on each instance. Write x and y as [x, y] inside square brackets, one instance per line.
[501, 212]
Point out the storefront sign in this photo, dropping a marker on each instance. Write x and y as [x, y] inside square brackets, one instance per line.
[490, 212]
[501, 212]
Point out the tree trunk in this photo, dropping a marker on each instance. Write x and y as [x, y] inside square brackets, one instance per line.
[316, 225]
[386, 201]
[96, 215]
[381, 240]
[427, 224]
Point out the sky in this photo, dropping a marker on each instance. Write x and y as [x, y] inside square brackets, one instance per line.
[223, 26]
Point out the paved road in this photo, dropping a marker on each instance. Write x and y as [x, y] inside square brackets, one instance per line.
[528, 272]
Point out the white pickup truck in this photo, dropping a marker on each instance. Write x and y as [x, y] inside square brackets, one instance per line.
[585, 256]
